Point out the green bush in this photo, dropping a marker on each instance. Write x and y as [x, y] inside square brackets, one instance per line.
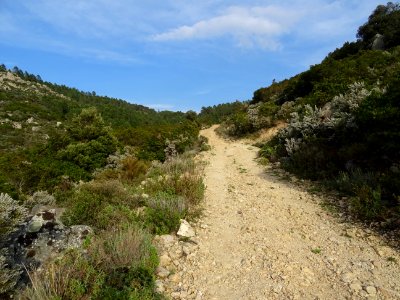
[73, 277]
[180, 176]
[8, 277]
[101, 204]
[11, 214]
[119, 264]
[367, 203]
[163, 213]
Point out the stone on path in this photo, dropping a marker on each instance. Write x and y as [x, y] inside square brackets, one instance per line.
[185, 230]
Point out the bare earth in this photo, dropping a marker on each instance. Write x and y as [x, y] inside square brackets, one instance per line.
[264, 238]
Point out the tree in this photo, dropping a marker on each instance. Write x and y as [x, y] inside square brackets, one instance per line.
[384, 20]
[191, 115]
[91, 141]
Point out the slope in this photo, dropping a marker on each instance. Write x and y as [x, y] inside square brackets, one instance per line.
[265, 238]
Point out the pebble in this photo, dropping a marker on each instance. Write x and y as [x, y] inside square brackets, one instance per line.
[371, 290]
[356, 287]
[159, 286]
[165, 260]
[174, 278]
[162, 272]
[348, 277]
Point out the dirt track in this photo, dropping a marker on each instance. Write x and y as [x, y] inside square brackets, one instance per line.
[265, 238]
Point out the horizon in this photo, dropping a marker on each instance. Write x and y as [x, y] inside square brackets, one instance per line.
[181, 56]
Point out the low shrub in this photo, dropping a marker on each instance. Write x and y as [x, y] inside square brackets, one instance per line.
[8, 276]
[118, 265]
[126, 247]
[163, 213]
[101, 204]
[132, 168]
[367, 203]
[11, 214]
[72, 277]
[41, 198]
[180, 176]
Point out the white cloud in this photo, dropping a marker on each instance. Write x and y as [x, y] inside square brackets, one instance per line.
[112, 30]
[248, 26]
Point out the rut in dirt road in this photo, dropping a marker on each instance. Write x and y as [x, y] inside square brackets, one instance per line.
[264, 238]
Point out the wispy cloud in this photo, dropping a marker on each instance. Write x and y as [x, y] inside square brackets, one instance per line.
[112, 30]
[248, 26]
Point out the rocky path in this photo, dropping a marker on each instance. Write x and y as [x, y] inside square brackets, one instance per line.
[264, 238]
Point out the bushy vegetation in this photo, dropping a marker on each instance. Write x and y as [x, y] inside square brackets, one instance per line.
[120, 261]
[342, 119]
[218, 113]
[102, 160]
[11, 214]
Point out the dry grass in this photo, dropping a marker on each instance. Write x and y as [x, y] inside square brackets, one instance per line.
[124, 248]
[132, 168]
[69, 278]
[181, 176]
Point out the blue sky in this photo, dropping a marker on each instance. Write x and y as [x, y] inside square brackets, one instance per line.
[174, 54]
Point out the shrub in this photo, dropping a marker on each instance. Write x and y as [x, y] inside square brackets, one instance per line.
[91, 141]
[8, 276]
[41, 198]
[239, 124]
[164, 212]
[126, 247]
[269, 152]
[132, 168]
[203, 143]
[72, 277]
[100, 204]
[180, 176]
[367, 203]
[11, 214]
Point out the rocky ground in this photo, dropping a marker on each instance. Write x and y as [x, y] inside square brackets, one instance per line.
[262, 237]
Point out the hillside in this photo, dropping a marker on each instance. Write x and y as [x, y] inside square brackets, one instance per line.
[37, 119]
[342, 120]
[104, 199]
[27, 99]
[73, 173]
[267, 235]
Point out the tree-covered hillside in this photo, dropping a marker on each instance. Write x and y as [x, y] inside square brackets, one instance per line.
[82, 171]
[343, 118]
[49, 131]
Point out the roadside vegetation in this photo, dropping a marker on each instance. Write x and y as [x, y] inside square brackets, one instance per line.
[342, 120]
[125, 170]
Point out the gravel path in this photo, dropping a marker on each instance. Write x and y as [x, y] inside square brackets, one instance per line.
[264, 238]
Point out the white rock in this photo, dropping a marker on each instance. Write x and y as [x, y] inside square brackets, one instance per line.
[186, 250]
[199, 295]
[35, 224]
[185, 230]
[175, 278]
[159, 286]
[176, 295]
[162, 272]
[17, 125]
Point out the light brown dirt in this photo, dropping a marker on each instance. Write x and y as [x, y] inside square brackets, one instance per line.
[264, 238]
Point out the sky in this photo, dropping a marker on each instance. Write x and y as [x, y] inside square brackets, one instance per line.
[174, 54]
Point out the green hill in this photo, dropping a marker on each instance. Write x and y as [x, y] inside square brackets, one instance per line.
[38, 120]
[342, 118]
